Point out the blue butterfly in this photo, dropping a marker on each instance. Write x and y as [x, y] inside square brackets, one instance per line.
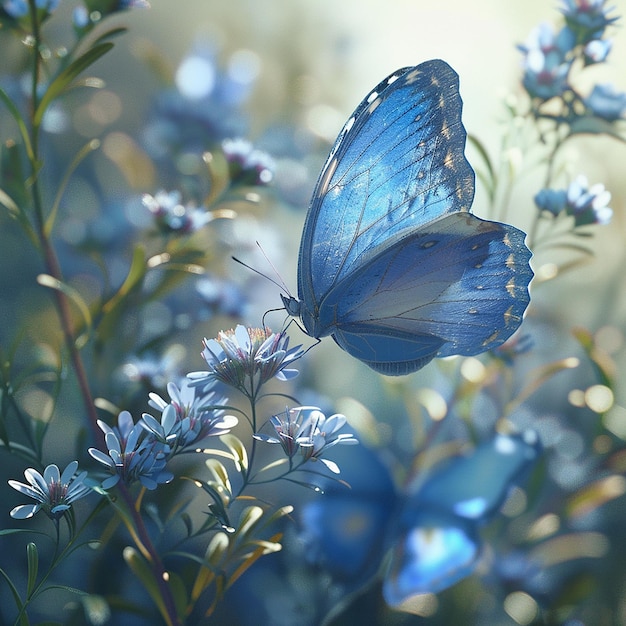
[432, 534]
[392, 264]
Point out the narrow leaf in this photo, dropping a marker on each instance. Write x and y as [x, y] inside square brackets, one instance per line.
[94, 144]
[142, 570]
[255, 556]
[17, 116]
[240, 455]
[49, 281]
[61, 82]
[135, 275]
[33, 567]
[23, 620]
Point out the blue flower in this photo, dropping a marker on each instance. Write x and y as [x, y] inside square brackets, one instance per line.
[246, 358]
[607, 103]
[596, 51]
[172, 216]
[189, 417]
[587, 18]
[151, 370]
[133, 455]
[588, 205]
[54, 492]
[307, 430]
[223, 296]
[19, 8]
[547, 61]
[247, 165]
[552, 200]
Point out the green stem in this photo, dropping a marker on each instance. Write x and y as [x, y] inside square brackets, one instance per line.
[49, 255]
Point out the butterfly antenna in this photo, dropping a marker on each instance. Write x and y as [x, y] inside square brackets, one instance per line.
[280, 283]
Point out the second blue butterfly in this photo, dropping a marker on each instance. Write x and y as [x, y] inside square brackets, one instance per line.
[392, 264]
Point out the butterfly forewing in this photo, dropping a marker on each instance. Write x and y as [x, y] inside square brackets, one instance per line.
[400, 165]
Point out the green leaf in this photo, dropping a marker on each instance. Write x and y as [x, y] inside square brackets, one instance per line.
[220, 474]
[142, 570]
[240, 455]
[249, 520]
[54, 283]
[590, 124]
[112, 309]
[21, 124]
[94, 144]
[273, 465]
[23, 618]
[489, 179]
[63, 80]
[32, 557]
[179, 593]
[110, 34]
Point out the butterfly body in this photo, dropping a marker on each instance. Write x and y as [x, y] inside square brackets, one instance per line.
[392, 264]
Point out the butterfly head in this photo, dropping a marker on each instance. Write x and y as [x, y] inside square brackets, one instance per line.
[297, 308]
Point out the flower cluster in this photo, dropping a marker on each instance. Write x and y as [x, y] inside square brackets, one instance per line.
[549, 56]
[246, 358]
[19, 8]
[247, 165]
[132, 455]
[547, 61]
[306, 430]
[173, 216]
[53, 491]
[587, 205]
[86, 17]
[187, 418]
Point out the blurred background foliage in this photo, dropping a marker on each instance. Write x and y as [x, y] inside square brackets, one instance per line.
[285, 74]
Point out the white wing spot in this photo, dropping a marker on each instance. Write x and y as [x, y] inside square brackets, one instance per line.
[509, 317]
[428, 244]
[510, 287]
[372, 96]
[374, 105]
[328, 174]
[472, 311]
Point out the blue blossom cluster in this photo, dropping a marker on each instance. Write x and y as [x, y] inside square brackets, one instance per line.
[306, 430]
[54, 491]
[248, 165]
[19, 8]
[586, 204]
[172, 216]
[246, 358]
[550, 56]
[140, 451]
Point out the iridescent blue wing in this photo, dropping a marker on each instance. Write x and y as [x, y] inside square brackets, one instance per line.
[392, 264]
[344, 530]
[437, 535]
[397, 164]
[456, 286]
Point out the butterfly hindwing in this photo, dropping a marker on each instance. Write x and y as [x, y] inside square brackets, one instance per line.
[437, 533]
[405, 304]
